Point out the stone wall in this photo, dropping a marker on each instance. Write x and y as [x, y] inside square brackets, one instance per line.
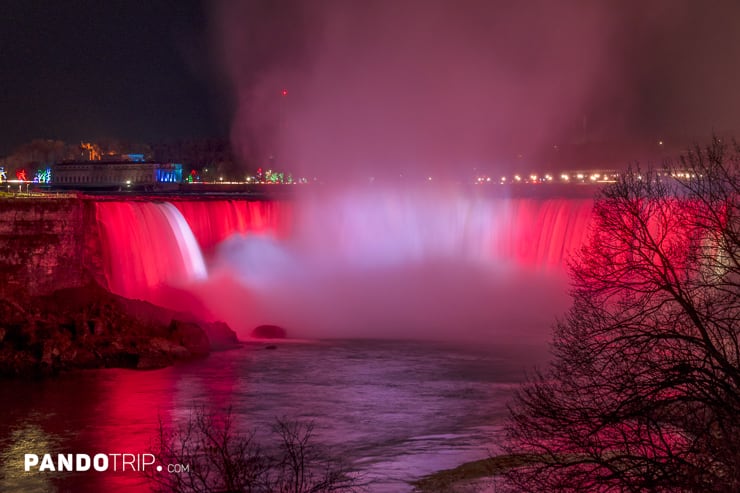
[47, 243]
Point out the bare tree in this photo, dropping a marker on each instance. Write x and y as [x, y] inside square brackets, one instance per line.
[303, 466]
[644, 390]
[220, 458]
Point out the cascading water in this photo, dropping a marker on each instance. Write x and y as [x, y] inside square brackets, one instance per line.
[148, 245]
[359, 264]
[213, 221]
[391, 228]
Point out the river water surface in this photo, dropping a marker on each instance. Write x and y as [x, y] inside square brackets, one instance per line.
[396, 410]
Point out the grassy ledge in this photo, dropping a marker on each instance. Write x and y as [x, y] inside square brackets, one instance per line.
[448, 479]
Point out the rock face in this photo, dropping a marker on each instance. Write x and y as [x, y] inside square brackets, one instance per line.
[220, 336]
[92, 328]
[190, 336]
[48, 244]
[268, 332]
[55, 311]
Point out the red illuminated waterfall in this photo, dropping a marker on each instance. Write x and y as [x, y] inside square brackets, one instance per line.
[150, 245]
[146, 244]
[395, 228]
[543, 233]
[214, 221]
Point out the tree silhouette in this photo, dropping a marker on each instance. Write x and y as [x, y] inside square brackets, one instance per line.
[220, 457]
[644, 389]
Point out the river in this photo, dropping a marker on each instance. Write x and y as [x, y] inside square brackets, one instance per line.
[396, 410]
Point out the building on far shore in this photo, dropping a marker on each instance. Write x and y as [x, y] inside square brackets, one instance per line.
[131, 173]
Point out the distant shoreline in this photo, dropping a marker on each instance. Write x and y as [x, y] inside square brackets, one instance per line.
[471, 473]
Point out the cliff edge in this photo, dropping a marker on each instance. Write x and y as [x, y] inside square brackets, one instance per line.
[89, 327]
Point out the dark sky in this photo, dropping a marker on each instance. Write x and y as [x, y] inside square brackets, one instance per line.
[374, 80]
[133, 69]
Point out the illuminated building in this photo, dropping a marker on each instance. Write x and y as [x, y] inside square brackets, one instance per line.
[115, 174]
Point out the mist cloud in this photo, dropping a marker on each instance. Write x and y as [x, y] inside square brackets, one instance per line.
[380, 86]
[385, 86]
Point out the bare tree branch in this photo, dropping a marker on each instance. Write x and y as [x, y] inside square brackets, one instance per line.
[644, 390]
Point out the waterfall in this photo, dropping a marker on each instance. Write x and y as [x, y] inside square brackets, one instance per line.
[147, 245]
[401, 228]
[350, 264]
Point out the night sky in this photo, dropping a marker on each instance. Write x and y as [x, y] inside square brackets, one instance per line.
[415, 78]
[129, 69]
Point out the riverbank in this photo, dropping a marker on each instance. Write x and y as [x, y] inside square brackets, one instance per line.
[471, 476]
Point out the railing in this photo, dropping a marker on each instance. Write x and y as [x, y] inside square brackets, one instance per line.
[9, 194]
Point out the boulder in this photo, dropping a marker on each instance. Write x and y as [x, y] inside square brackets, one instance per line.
[269, 332]
[220, 335]
[190, 336]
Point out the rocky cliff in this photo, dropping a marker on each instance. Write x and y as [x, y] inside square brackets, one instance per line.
[56, 312]
[90, 327]
[47, 244]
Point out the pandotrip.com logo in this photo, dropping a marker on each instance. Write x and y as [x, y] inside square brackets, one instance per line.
[117, 462]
